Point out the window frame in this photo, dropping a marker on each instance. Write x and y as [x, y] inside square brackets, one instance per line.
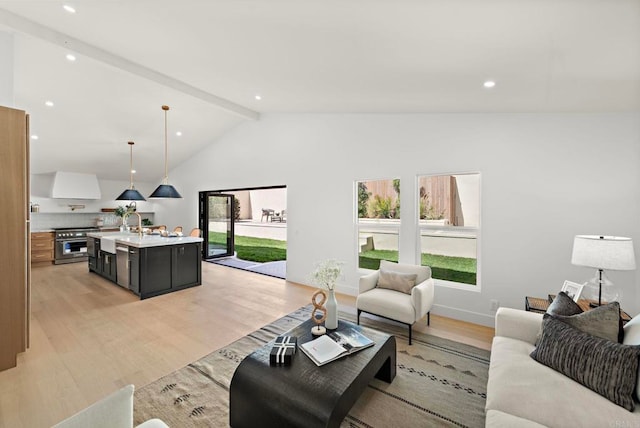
[380, 224]
[419, 228]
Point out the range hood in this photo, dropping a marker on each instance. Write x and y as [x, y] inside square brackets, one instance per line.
[73, 185]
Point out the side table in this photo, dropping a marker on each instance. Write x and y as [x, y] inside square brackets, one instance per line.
[540, 305]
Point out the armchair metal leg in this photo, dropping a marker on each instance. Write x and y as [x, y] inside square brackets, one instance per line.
[408, 325]
[428, 318]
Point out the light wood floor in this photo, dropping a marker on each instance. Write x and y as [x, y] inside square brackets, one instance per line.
[89, 336]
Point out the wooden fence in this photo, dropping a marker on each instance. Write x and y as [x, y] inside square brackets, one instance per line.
[441, 190]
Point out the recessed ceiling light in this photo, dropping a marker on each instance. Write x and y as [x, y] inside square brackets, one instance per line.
[133, 171]
[34, 137]
[71, 57]
[69, 9]
[258, 97]
[489, 84]
[179, 133]
[48, 103]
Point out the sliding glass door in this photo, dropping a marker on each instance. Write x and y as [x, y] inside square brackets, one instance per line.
[217, 224]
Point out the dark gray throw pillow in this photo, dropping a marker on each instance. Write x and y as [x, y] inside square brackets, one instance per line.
[603, 321]
[606, 367]
[564, 305]
[561, 305]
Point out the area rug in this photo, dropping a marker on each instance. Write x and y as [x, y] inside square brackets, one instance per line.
[439, 383]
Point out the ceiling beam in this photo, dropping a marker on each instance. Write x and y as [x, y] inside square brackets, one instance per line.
[34, 29]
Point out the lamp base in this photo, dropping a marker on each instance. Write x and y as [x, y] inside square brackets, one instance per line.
[605, 293]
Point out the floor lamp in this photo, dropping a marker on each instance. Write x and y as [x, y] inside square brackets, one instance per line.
[603, 253]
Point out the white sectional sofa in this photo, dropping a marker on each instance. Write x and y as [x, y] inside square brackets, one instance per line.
[113, 411]
[524, 393]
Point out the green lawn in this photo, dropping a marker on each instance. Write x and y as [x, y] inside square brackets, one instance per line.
[457, 269]
[259, 250]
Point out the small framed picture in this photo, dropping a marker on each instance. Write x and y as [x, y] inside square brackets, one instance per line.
[573, 289]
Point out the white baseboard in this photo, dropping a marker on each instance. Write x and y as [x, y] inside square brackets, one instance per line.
[445, 311]
[464, 315]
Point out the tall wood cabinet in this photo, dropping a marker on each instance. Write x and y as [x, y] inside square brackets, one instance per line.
[15, 272]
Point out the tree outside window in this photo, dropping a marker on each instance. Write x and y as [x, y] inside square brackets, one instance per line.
[378, 221]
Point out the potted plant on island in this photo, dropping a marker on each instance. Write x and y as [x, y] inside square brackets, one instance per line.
[124, 213]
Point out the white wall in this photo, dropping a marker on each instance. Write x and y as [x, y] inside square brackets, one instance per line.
[6, 69]
[545, 178]
[275, 199]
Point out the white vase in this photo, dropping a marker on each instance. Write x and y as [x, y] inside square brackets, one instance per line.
[331, 323]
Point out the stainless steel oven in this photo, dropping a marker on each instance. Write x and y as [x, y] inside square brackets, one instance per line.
[71, 244]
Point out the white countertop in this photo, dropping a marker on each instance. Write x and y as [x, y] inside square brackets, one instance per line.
[134, 240]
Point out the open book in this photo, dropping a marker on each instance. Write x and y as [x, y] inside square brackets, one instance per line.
[334, 345]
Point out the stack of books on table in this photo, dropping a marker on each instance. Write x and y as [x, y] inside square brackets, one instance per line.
[283, 351]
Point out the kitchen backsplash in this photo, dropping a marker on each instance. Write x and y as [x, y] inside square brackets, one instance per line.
[46, 221]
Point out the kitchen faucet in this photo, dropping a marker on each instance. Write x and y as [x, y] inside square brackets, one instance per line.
[139, 224]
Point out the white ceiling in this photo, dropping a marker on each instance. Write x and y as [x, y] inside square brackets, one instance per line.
[207, 59]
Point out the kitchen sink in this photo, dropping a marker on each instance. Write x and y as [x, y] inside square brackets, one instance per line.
[108, 244]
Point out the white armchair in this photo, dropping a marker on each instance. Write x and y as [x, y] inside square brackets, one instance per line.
[397, 305]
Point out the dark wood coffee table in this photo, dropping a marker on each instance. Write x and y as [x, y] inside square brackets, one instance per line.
[303, 394]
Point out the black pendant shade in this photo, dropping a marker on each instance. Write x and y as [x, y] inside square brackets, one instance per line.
[131, 194]
[165, 191]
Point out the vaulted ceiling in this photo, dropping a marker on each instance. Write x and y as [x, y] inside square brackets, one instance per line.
[208, 59]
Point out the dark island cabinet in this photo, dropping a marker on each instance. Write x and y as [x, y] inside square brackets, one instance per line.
[153, 270]
[101, 262]
[93, 251]
[109, 265]
[186, 265]
[164, 269]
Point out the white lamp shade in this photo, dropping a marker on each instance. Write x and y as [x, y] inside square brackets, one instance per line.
[603, 252]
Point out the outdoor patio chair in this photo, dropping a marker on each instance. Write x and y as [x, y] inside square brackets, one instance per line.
[266, 212]
[279, 216]
[399, 292]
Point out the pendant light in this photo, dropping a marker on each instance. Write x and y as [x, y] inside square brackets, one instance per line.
[165, 190]
[131, 194]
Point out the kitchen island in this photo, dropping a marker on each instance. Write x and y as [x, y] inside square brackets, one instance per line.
[150, 265]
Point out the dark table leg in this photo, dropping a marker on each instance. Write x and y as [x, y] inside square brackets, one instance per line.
[388, 370]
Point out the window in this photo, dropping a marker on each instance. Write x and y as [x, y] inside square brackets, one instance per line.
[448, 225]
[378, 221]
